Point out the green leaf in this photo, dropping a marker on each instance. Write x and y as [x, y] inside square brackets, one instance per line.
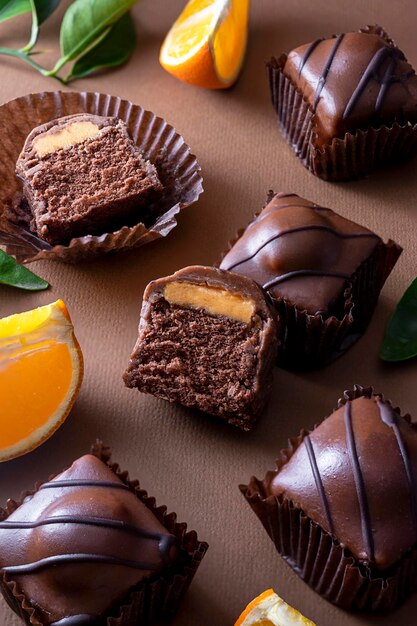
[400, 341]
[113, 50]
[45, 8]
[41, 10]
[18, 276]
[11, 8]
[84, 22]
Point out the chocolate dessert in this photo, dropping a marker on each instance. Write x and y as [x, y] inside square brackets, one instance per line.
[341, 507]
[346, 104]
[83, 175]
[207, 339]
[81, 543]
[322, 271]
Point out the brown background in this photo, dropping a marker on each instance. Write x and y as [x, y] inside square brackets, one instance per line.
[190, 462]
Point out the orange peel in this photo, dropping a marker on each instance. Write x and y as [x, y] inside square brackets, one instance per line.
[41, 371]
[268, 609]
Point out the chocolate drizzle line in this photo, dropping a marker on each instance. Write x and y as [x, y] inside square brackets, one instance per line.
[77, 620]
[277, 207]
[359, 483]
[55, 484]
[289, 231]
[165, 542]
[58, 559]
[371, 73]
[319, 482]
[326, 69]
[389, 418]
[299, 273]
[307, 54]
[82, 519]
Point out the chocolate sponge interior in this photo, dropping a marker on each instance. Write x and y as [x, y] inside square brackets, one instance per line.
[89, 188]
[198, 359]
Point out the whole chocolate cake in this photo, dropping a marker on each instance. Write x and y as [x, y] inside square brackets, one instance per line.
[77, 547]
[322, 271]
[83, 175]
[207, 339]
[351, 85]
[341, 507]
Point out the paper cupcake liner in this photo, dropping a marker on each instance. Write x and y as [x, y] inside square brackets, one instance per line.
[151, 599]
[311, 341]
[317, 557]
[159, 142]
[353, 156]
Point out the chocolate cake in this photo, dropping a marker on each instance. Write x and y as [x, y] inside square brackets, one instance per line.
[341, 507]
[83, 175]
[322, 271]
[333, 94]
[207, 339]
[77, 547]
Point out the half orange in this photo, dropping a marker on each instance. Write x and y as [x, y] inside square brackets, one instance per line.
[206, 45]
[41, 370]
[268, 609]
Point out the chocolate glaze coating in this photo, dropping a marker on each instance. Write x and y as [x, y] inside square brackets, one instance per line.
[353, 81]
[301, 252]
[80, 543]
[356, 476]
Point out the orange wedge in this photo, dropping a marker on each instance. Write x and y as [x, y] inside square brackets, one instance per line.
[268, 609]
[207, 43]
[41, 370]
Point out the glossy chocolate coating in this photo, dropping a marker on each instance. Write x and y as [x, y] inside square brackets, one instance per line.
[301, 252]
[80, 543]
[356, 476]
[353, 81]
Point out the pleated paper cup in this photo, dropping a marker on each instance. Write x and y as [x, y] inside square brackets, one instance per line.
[309, 341]
[316, 556]
[154, 598]
[157, 140]
[345, 158]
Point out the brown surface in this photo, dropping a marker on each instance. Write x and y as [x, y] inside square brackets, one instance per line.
[193, 463]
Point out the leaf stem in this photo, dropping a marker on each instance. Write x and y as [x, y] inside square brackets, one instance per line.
[28, 59]
[24, 57]
[58, 65]
[34, 31]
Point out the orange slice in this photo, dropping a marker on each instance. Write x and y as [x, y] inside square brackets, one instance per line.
[207, 43]
[41, 370]
[268, 609]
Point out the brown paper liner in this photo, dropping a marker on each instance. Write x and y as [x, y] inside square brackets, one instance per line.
[317, 557]
[311, 341]
[177, 168]
[353, 156]
[151, 599]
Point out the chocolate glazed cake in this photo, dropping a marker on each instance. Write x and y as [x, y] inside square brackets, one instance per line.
[85, 543]
[346, 104]
[322, 272]
[207, 339]
[341, 507]
[83, 175]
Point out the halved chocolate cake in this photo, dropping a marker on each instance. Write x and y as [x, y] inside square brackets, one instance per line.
[207, 339]
[83, 175]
